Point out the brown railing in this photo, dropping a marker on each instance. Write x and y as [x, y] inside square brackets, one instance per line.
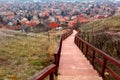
[100, 60]
[53, 68]
[49, 70]
[57, 53]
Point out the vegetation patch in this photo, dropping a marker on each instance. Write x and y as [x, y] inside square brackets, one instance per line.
[22, 55]
[104, 34]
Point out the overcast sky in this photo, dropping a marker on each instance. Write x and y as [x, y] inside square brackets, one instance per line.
[60, 0]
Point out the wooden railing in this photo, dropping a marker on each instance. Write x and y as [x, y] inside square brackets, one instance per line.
[49, 70]
[57, 53]
[53, 68]
[100, 60]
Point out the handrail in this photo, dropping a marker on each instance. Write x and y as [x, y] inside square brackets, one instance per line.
[49, 70]
[106, 59]
[53, 68]
[57, 54]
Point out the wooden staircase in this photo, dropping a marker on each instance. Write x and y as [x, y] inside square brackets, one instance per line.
[73, 64]
[75, 58]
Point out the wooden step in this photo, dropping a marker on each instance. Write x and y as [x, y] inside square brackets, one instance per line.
[73, 64]
[79, 78]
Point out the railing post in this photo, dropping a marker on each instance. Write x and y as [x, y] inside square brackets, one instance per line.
[103, 67]
[78, 43]
[62, 37]
[75, 40]
[52, 76]
[56, 63]
[86, 50]
[93, 58]
[82, 46]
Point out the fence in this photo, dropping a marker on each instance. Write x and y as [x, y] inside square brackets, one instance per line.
[53, 68]
[100, 60]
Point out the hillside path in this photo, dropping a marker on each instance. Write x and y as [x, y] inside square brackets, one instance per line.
[73, 64]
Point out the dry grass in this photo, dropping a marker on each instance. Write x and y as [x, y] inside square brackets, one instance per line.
[105, 35]
[22, 55]
[112, 23]
[96, 33]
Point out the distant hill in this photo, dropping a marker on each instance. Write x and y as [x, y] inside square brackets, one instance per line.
[112, 24]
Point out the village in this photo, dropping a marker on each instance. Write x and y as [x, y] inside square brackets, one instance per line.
[21, 16]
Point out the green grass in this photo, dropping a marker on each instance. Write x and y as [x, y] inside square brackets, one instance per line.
[22, 55]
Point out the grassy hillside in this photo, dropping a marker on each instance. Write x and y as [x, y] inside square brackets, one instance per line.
[22, 55]
[112, 24]
[104, 34]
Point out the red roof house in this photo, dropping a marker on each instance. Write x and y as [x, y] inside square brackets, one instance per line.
[53, 25]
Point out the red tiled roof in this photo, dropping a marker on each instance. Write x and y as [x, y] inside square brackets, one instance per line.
[60, 18]
[80, 19]
[30, 23]
[53, 24]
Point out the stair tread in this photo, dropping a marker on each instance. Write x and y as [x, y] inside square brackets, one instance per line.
[79, 78]
[73, 64]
